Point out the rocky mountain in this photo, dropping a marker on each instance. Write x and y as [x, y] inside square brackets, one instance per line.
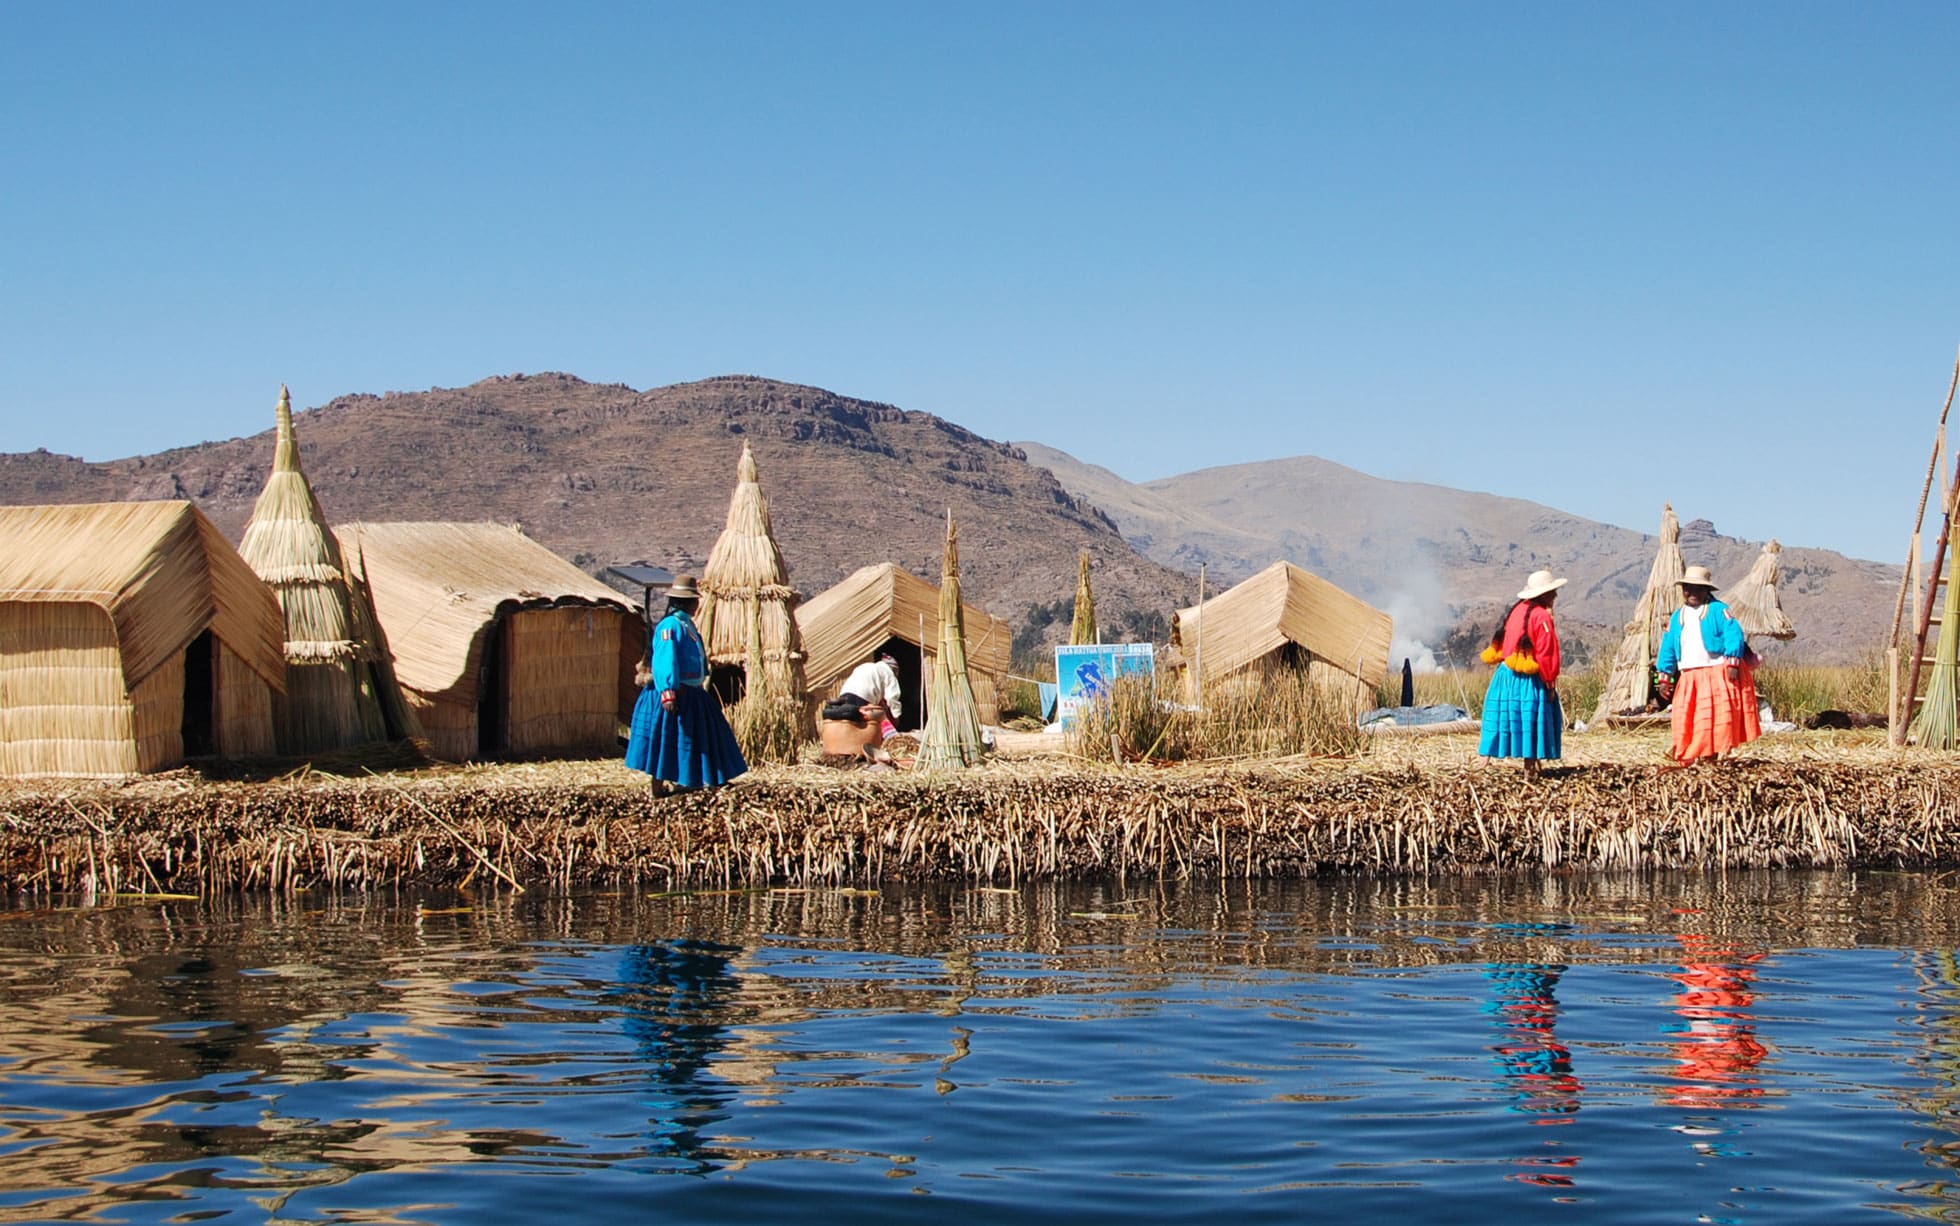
[1446, 561]
[604, 474]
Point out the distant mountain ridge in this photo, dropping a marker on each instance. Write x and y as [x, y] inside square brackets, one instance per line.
[1444, 561]
[602, 473]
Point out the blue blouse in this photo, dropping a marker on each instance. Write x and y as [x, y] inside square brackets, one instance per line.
[1721, 634]
[678, 655]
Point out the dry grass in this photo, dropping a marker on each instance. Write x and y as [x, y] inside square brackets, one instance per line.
[1798, 691]
[1280, 714]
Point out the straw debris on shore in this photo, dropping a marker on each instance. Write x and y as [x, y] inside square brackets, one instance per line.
[1423, 806]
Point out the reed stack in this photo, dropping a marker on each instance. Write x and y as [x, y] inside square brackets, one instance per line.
[1082, 629]
[747, 618]
[1630, 684]
[952, 732]
[338, 676]
[1754, 601]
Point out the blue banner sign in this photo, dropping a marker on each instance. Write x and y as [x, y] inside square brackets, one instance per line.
[1084, 674]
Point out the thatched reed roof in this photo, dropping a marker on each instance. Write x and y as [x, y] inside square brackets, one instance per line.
[438, 586]
[1754, 602]
[1283, 604]
[844, 625]
[1631, 682]
[160, 570]
[746, 601]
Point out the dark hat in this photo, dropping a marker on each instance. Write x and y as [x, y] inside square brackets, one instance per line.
[683, 589]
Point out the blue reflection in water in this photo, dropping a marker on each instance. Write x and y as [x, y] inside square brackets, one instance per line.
[1355, 1051]
[1536, 1068]
[672, 996]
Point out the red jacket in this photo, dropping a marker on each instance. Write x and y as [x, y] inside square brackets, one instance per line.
[1544, 638]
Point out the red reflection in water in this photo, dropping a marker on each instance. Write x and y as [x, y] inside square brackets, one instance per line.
[1716, 1051]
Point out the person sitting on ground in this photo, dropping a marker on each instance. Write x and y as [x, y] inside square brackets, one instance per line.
[873, 683]
[1715, 691]
[1521, 716]
[680, 737]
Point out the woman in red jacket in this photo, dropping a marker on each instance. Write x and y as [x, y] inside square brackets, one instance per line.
[1521, 716]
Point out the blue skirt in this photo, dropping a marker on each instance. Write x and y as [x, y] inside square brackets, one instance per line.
[1521, 718]
[691, 746]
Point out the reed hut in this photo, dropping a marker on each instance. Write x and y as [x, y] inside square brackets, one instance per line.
[1082, 629]
[1283, 617]
[747, 615]
[887, 607]
[340, 687]
[502, 648]
[1630, 684]
[132, 636]
[952, 732]
[1754, 601]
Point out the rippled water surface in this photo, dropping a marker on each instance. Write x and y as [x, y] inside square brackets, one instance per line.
[1760, 1048]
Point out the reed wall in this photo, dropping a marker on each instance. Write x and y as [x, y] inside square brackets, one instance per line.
[448, 723]
[62, 706]
[562, 674]
[157, 719]
[241, 717]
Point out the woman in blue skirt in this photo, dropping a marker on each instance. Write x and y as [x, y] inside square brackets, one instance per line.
[1521, 717]
[680, 737]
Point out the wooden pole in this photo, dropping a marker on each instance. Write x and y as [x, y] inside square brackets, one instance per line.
[1198, 647]
[1895, 723]
[1922, 621]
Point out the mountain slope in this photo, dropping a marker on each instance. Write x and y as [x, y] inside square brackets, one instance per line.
[602, 473]
[1443, 560]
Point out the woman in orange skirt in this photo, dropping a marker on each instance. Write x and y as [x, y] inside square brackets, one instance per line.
[1715, 691]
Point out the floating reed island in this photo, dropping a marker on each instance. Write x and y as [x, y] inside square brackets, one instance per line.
[1422, 806]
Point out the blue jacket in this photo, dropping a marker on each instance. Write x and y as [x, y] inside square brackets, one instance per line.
[678, 657]
[1721, 634]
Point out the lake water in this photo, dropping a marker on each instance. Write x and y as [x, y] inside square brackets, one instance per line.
[1748, 1048]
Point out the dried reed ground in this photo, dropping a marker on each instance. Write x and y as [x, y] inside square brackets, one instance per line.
[1416, 805]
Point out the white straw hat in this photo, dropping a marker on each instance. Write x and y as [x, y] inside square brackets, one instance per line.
[1696, 576]
[1541, 581]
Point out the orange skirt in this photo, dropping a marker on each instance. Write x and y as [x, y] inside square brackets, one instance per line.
[1712, 714]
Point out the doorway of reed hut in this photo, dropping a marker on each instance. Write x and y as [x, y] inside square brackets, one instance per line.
[911, 682]
[493, 692]
[200, 693]
[729, 682]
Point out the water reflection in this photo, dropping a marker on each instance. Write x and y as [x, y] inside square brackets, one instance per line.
[1056, 1053]
[1535, 1067]
[1714, 1044]
[675, 996]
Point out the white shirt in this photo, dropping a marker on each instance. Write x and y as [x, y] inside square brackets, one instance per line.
[1694, 652]
[877, 682]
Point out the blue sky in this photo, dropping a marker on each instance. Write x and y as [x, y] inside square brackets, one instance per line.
[1596, 256]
